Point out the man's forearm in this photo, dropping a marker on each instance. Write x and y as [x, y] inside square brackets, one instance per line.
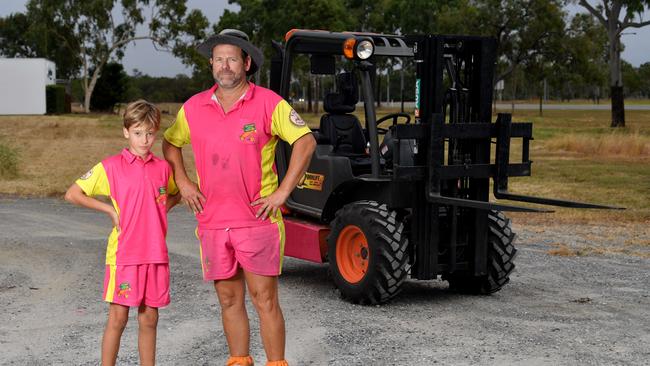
[174, 155]
[301, 154]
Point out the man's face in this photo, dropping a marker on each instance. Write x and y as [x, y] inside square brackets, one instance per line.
[228, 66]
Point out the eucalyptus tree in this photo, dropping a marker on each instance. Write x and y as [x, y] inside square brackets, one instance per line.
[617, 16]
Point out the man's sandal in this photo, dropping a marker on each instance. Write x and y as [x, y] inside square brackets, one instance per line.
[277, 363]
[240, 361]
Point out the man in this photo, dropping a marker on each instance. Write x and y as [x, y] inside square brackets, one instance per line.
[233, 128]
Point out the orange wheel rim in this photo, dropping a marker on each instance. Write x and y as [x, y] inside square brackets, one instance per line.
[352, 253]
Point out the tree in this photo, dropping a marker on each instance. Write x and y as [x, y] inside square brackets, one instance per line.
[110, 88]
[22, 37]
[609, 13]
[266, 21]
[527, 31]
[644, 76]
[91, 31]
[581, 58]
[631, 79]
[430, 17]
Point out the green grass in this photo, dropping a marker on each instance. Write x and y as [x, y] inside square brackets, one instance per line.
[577, 156]
[535, 101]
[8, 161]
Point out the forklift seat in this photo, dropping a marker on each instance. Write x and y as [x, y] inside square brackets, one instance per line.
[338, 127]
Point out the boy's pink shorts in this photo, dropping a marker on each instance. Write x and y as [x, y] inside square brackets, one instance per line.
[256, 249]
[139, 284]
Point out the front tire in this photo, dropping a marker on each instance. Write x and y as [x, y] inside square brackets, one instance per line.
[367, 252]
[501, 253]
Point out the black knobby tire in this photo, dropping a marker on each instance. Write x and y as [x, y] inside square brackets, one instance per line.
[501, 253]
[386, 252]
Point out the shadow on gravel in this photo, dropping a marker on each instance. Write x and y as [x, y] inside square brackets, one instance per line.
[429, 292]
[315, 279]
[304, 272]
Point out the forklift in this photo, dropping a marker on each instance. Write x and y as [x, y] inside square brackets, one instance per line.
[405, 195]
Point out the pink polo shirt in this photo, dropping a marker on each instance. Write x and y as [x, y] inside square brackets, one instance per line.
[234, 152]
[138, 189]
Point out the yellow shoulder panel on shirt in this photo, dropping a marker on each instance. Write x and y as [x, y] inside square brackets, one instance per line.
[287, 123]
[178, 134]
[95, 182]
[172, 189]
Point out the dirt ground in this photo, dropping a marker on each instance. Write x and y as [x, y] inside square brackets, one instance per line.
[590, 309]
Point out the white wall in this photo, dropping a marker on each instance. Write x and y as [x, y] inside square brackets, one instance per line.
[22, 84]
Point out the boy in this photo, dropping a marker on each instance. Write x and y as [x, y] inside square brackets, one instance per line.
[142, 190]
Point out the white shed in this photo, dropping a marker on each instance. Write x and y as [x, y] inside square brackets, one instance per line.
[22, 84]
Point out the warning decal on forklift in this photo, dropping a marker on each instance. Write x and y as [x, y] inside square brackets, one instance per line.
[312, 181]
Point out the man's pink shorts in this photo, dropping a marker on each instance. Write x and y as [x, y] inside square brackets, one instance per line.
[139, 284]
[256, 249]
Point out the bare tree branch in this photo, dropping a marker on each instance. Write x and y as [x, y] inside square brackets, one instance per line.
[636, 24]
[594, 12]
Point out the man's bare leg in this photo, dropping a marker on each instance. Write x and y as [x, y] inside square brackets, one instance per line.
[264, 293]
[231, 294]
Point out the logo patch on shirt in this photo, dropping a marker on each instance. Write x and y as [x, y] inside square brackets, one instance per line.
[249, 134]
[296, 119]
[125, 288]
[87, 175]
[162, 195]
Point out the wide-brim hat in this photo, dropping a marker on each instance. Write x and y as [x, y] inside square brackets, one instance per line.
[237, 38]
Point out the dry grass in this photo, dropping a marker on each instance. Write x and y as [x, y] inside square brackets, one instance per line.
[563, 250]
[607, 146]
[56, 150]
[576, 157]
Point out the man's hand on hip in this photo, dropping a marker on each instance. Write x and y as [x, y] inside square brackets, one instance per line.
[270, 204]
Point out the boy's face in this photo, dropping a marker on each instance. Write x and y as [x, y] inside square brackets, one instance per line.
[141, 138]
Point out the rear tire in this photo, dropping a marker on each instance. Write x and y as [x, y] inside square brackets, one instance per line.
[367, 252]
[501, 253]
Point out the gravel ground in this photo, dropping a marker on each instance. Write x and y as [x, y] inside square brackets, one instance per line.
[590, 309]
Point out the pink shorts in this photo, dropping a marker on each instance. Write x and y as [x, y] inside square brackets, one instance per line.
[256, 249]
[134, 285]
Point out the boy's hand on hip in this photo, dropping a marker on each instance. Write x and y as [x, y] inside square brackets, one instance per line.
[270, 204]
[191, 195]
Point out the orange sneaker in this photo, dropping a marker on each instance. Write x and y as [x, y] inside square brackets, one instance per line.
[240, 361]
[277, 363]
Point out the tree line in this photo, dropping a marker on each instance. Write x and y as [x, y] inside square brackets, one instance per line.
[539, 46]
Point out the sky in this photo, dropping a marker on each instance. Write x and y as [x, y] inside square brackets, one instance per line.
[143, 56]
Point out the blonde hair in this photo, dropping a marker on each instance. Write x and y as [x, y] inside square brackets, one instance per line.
[141, 111]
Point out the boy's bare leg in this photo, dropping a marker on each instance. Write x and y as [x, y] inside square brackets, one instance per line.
[231, 294]
[147, 325]
[118, 315]
[264, 293]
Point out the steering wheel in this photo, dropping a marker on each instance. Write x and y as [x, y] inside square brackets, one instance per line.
[392, 116]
